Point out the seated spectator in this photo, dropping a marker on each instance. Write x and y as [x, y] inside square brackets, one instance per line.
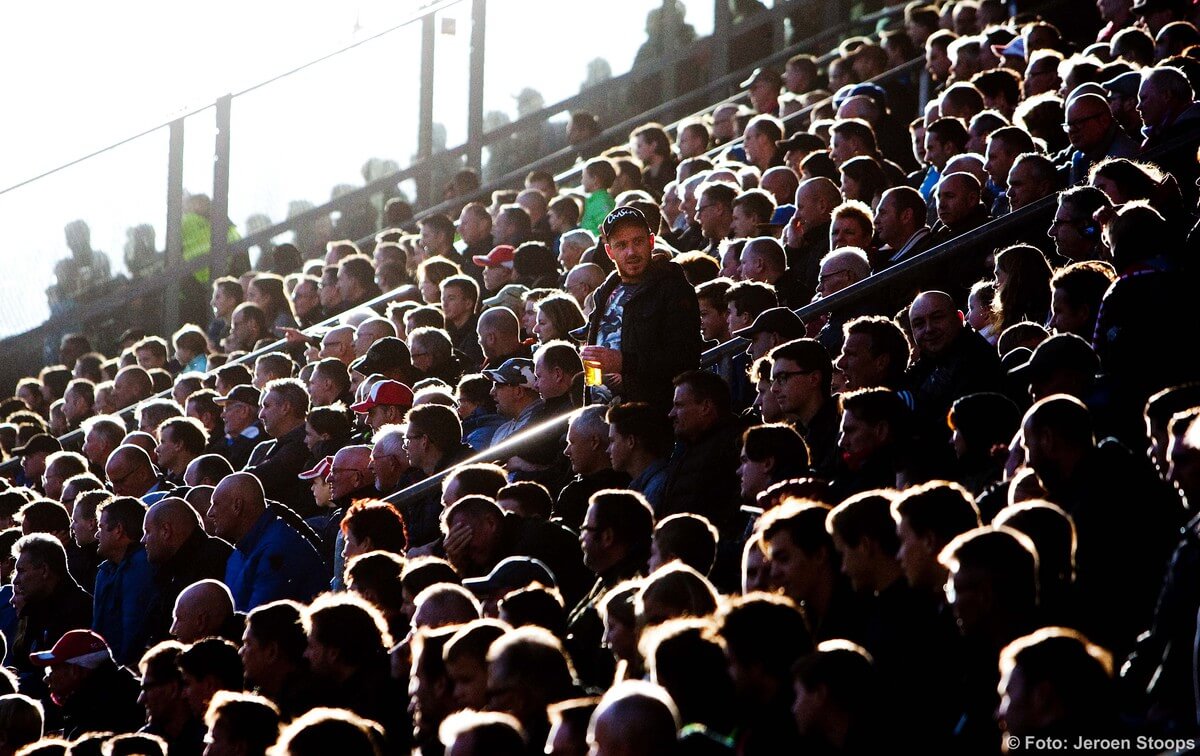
[168, 715]
[181, 554]
[205, 609]
[347, 648]
[271, 560]
[124, 584]
[90, 690]
[273, 657]
[50, 602]
[587, 450]
[242, 723]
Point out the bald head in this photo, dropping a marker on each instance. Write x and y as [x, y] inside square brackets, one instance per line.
[763, 259]
[583, 280]
[338, 343]
[369, 331]
[130, 471]
[534, 202]
[141, 439]
[815, 200]
[852, 260]
[499, 332]
[237, 503]
[781, 183]
[207, 470]
[442, 605]
[936, 322]
[859, 106]
[1089, 119]
[967, 162]
[353, 467]
[169, 523]
[131, 385]
[201, 610]
[958, 195]
[499, 320]
[634, 717]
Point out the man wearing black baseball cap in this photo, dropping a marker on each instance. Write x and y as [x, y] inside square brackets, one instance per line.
[33, 457]
[645, 328]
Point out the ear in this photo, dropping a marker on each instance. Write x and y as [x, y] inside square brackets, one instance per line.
[882, 431]
[961, 317]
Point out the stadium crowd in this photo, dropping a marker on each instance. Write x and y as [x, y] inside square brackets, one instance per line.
[953, 512]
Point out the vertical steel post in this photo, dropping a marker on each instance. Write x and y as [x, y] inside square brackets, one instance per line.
[722, 30]
[425, 126]
[475, 86]
[174, 247]
[218, 215]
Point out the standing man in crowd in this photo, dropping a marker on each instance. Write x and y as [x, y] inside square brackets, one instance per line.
[645, 329]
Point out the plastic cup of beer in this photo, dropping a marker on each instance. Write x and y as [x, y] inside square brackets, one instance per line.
[592, 374]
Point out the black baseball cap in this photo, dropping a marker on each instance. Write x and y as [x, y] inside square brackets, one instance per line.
[511, 574]
[623, 215]
[1062, 351]
[778, 320]
[386, 354]
[244, 393]
[38, 443]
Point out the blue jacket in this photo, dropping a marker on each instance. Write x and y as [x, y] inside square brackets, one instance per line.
[273, 562]
[123, 592]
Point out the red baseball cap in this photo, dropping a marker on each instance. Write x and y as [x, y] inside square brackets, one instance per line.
[83, 648]
[387, 393]
[500, 255]
[321, 470]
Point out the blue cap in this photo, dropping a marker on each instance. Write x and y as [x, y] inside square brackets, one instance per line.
[783, 215]
[867, 89]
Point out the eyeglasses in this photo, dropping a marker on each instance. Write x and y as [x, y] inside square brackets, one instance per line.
[701, 208]
[113, 482]
[1065, 222]
[340, 470]
[826, 276]
[409, 439]
[1072, 125]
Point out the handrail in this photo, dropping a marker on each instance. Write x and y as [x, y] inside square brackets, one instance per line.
[507, 448]
[137, 288]
[189, 267]
[143, 287]
[975, 241]
[432, 6]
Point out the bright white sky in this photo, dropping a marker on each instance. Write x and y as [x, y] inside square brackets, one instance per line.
[80, 76]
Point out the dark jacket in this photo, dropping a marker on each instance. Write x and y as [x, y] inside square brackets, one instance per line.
[41, 623]
[804, 261]
[660, 332]
[1120, 506]
[585, 629]
[466, 340]
[277, 463]
[237, 449]
[573, 499]
[969, 365]
[123, 591]
[553, 545]
[479, 426]
[271, 562]
[105, 701]
[201, 557]
[702, 474]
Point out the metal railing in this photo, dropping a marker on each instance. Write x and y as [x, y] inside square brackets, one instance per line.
[620, 131]
[980, 241]
[221, 250]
